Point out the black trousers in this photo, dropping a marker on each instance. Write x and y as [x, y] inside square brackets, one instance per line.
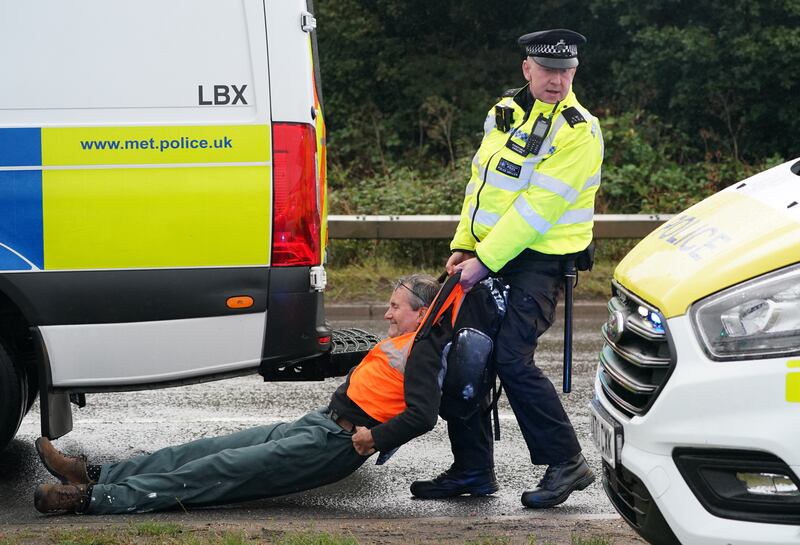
[534, 290]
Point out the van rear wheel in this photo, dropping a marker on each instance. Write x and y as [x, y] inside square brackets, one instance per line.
[13, 397]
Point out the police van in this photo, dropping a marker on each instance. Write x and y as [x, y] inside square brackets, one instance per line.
[697, 395]
[162, 198]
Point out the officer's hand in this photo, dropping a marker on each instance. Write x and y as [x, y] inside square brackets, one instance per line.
[456, 258]
[472, 272]
[362, 441]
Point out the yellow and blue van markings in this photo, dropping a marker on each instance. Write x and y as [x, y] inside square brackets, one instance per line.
[21, 242]
[134, 197]
[793, 382]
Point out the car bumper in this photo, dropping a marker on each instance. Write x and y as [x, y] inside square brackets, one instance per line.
[721, 407]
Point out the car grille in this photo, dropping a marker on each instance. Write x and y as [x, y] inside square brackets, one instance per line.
[636, 359]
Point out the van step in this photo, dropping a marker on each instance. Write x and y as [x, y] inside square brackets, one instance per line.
[348, 347]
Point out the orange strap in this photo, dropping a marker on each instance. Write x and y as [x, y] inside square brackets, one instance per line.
[454, 295]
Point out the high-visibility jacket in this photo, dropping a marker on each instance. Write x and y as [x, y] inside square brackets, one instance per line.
[376, 384]
[544, 202]
[396, 389]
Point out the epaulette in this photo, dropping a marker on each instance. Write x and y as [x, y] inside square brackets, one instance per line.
[573, 116]
[510, 92]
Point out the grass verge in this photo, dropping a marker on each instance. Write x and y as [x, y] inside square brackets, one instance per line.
[154, 533]
[371, 281]
[363, 271]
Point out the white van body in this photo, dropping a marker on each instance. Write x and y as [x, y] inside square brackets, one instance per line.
[162, 196]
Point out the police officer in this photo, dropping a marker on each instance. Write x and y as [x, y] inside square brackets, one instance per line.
[528, 210]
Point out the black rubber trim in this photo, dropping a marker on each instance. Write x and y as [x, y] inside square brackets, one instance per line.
[315, 57]
[633, 501]
[710, 474]
[796, 168]
[97, 297]
[295, 322]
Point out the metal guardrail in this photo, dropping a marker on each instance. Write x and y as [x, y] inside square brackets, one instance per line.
[443, 227]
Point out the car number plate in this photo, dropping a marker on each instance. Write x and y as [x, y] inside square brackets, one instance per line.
[603, 430]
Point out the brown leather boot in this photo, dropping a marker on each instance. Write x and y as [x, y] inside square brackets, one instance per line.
[53, 498]
[68, 469]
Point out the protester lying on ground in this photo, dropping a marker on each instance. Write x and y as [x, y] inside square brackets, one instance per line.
[391, 397]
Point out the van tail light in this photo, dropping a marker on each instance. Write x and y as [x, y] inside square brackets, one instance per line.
[296, 216]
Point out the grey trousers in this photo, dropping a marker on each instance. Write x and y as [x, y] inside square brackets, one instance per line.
[255, 463]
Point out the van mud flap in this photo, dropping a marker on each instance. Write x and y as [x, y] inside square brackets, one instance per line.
[348, 347]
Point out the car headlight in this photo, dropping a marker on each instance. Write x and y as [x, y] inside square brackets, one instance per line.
[759, 318]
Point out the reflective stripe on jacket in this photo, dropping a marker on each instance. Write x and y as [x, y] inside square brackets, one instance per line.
[544, 202]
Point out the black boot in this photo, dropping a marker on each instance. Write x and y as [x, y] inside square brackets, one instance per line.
[559, 481]
[456, 482]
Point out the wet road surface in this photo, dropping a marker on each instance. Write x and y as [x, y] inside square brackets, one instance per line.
[115, 426]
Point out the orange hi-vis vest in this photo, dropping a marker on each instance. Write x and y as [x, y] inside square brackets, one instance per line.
[376, 384]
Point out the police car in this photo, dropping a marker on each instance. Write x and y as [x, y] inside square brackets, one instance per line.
[697, 394]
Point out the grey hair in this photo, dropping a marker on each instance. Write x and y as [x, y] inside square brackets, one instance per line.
[422, 287]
